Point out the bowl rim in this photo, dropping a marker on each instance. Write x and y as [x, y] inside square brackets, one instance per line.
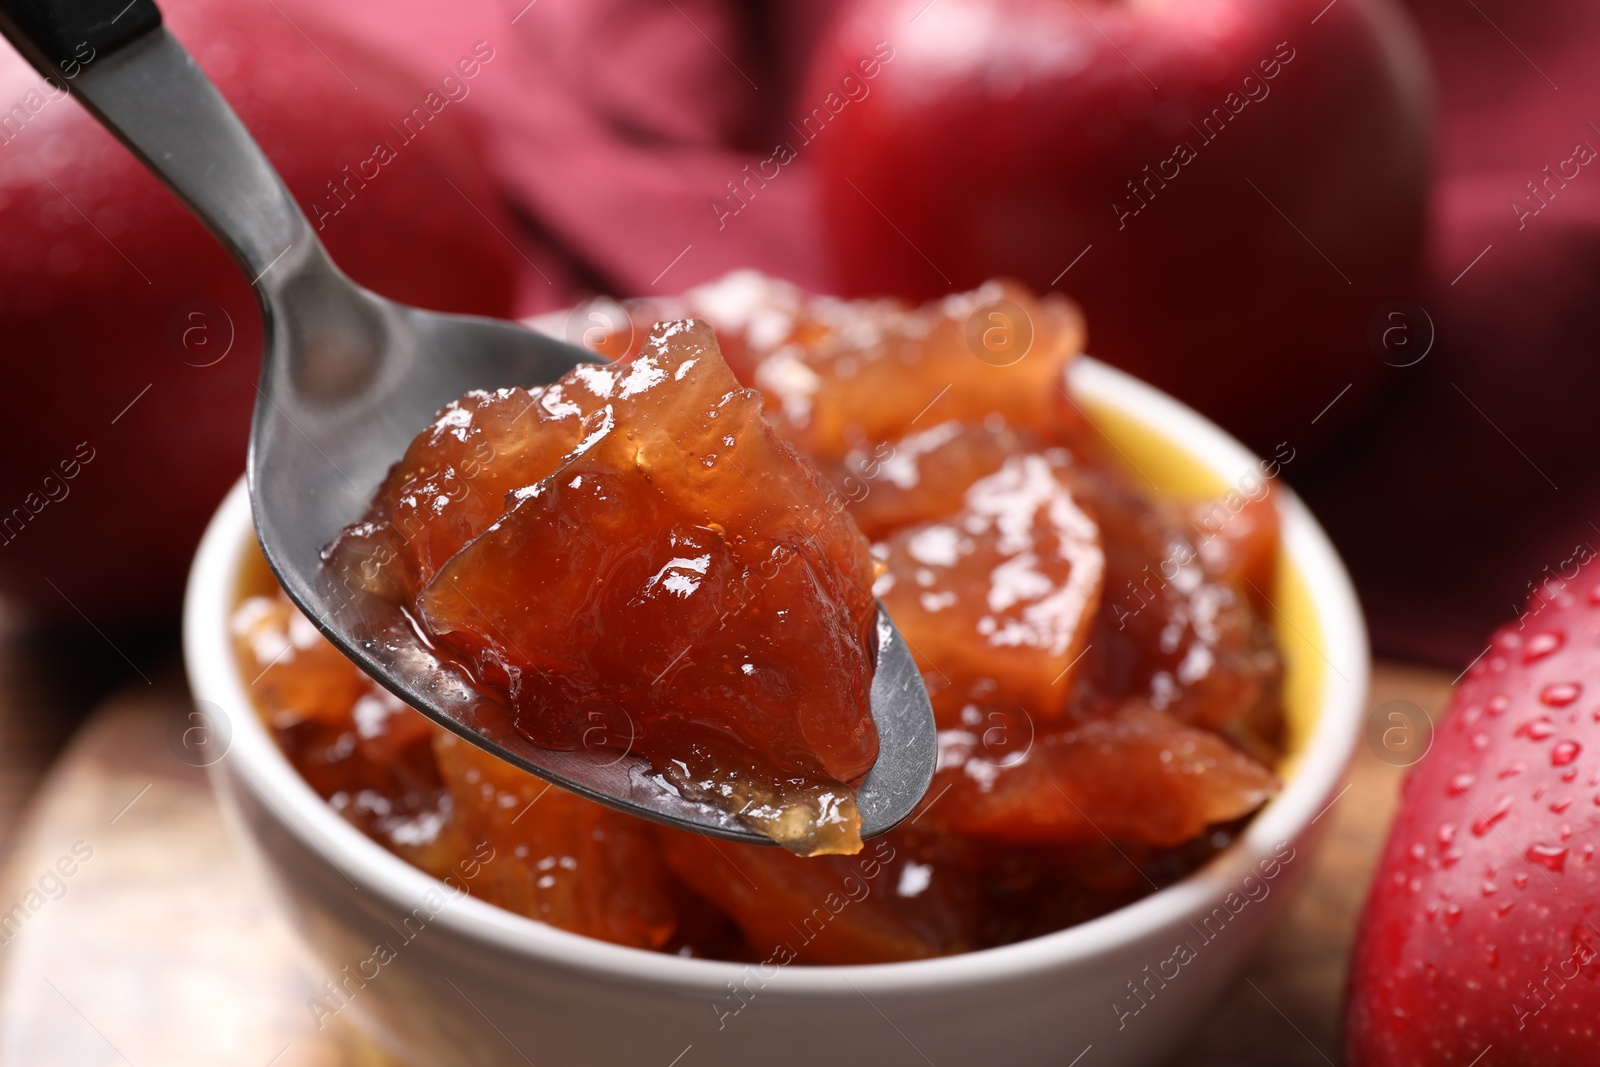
[255, 759]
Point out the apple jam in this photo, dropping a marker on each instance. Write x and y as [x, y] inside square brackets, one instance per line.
[632, 559]
[1106, 684]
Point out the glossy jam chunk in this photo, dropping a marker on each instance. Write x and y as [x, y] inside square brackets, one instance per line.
[925, 474]
[1183, 625]
[884, 904]
[553, 855]
[837, 374]
[1136, 775]
[362, 750]
[476, 822]
[452, 482]
[920, 891]
[663, 576]
[995, 599]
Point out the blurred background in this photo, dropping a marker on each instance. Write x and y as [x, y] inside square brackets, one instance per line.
[1361, 233]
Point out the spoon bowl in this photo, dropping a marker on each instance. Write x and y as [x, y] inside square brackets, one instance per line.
[347, 380]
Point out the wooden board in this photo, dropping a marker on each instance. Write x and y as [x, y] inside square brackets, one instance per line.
[162, 948]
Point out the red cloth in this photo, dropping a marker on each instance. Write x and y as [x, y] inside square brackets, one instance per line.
[616, 123]
[1479, 481]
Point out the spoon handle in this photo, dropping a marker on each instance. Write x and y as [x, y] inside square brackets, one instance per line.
[119, 61]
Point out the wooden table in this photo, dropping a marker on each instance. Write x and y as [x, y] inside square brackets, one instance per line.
[162, 948]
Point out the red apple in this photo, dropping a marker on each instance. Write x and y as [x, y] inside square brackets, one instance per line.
[131, 343]
[1231, 188]
[1480, 943]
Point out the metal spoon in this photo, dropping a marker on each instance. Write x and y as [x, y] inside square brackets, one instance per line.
[348, 378]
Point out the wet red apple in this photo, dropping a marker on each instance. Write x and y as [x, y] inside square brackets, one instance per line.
[131, 343]
[1231, 188]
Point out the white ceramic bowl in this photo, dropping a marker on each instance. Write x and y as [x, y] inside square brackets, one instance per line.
[465, 982]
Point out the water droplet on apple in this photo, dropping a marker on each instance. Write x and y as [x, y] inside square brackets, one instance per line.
[1552, 857]
[1486, 823]
[1541, 645]
[1537, 729]
[1560, 694]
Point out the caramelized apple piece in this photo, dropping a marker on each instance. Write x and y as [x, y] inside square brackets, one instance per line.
[906, 896]
[920, 891]
[555, 856]
[297, 676]
[842, 374]
[1181, 628]
[925, 474]
[452, 809]
[1238, 542]
[997, 598]
[668, 579]
[1138, 775]
[452, 482]
[358, 747]
[853, 372]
